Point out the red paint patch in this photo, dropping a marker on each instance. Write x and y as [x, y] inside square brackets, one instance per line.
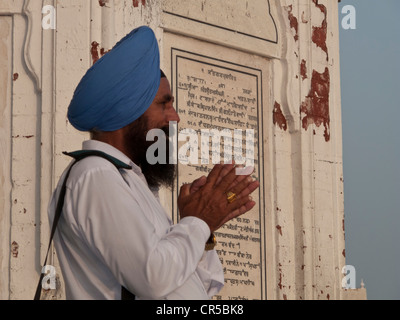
[278, 117]
[319, 33]
[104, 51]
[14, 249]
[303, 19]
[303, 69]
[102, 3]
[279, 229]
[15, 76]
[316, 105]
[136, 3]
[293, 22]
[94, 52]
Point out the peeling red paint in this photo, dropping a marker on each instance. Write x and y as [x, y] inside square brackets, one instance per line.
[26, 137]
[136, 3]
[279, 229]
[102, 3]
[316, 105]
[14, 249]
[303, 19]
[319, 33]
[278, 117]
[303, 69]
[344, 253]
[94, 51]
[293, 22]
[15, 76]
[104, 51]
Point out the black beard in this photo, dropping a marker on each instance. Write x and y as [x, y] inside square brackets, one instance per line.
[136, 145]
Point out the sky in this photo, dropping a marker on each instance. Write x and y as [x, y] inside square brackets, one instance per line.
[370, 88]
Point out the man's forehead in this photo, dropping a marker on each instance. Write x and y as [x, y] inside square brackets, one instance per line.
[164, 90]
[164, 82]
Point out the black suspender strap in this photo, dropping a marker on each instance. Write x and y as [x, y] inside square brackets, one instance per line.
[79, 155]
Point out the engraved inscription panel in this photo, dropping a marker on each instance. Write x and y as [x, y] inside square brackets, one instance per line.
[213, 97]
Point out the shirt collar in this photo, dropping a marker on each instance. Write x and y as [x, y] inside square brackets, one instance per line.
[112, 151]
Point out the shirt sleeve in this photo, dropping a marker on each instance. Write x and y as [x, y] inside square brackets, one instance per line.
[211, 273]
[113, 222]
[209, 268]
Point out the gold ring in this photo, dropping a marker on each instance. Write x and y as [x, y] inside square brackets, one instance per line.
[231, 196]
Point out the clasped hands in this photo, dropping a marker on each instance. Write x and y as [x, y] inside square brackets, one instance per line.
[207, 197]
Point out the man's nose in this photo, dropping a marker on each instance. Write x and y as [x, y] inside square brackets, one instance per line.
[173, 116]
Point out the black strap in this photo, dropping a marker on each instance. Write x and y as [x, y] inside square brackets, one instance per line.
[79, 155]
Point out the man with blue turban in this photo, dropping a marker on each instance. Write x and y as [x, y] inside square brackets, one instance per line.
[112, 232]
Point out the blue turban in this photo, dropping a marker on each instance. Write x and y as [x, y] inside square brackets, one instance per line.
[120, 86]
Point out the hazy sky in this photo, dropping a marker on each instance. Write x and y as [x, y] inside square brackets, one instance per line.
[370, 81]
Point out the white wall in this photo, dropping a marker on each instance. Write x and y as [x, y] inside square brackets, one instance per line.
[294, 42]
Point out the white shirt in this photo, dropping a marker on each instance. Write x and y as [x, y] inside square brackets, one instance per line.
[113, 231]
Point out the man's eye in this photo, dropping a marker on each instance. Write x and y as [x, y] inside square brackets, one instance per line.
[165, 103]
